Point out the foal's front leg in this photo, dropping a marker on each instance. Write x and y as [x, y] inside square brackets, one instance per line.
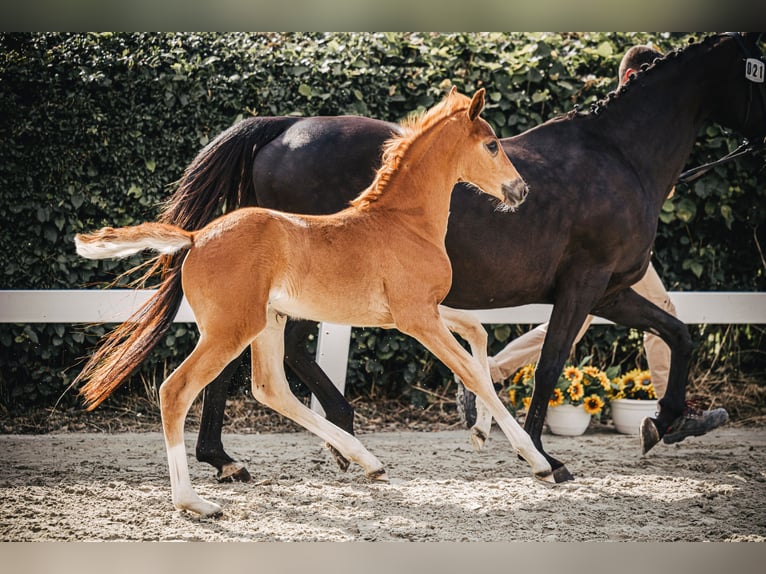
[433, 333]
[470, 329]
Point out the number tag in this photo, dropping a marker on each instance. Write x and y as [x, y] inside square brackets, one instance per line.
[755, 70]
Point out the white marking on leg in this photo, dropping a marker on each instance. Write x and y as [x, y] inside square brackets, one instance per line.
[184, 497]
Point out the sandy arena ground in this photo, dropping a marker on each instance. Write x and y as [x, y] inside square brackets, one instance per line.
[91, 486]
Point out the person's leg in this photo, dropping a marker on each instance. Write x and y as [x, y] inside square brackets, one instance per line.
[657, 352]
[524, 350]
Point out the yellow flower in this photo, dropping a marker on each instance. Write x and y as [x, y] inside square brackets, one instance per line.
[604, 380]
[573, 374]
[525, 373]
[629, 378]
[528, 372]
[512, 396]
[576, 391]
[644, 380]
[525, 402]
[591, 371]
[593, 404]
[557, 398]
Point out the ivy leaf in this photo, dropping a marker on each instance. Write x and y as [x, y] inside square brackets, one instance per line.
[728, 215]
[686, 210]
[305, 90]
[502, 332]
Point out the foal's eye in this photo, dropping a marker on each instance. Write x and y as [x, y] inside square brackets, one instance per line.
[492, 147]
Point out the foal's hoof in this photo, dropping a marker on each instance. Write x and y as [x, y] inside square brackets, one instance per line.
[202, 507]
[377, 475]
[340, 460]
[648, 434]
[478, 438]
[233, 472]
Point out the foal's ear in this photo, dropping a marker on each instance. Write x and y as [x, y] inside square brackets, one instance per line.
[477, 104]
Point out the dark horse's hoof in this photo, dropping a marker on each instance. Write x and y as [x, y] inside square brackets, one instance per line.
[649, 434]
[234, 472]
[466, 404]
[562, 474]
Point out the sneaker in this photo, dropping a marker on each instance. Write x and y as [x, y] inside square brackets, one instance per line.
[694, 422]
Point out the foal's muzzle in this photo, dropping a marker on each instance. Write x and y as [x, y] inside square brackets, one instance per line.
[515, 193]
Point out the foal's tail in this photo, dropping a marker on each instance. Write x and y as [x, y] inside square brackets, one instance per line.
[220, 178]
[122, 350]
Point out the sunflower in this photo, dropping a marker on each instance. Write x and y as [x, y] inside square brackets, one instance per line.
[525, 402]
[524, 374]
[593, 404]
[576, 391]
[604, 380]
[591, 371]
[628, 380]
[572, 374]
[557, 398]
[644, 386]
[635, 384]
[512, 396]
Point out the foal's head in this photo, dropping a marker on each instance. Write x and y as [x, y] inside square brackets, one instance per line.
[468, 145]
[482, 161]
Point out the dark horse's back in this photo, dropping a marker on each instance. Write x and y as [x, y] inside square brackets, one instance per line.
[318, 164]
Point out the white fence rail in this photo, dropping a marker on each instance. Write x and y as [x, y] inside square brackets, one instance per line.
[116, 305]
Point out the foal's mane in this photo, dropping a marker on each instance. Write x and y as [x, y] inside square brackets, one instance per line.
[395, 148]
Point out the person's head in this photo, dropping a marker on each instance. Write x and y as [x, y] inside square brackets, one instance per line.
[633, 59]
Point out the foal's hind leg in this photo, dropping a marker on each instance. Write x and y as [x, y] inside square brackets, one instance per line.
[176, 395]
[270, 387]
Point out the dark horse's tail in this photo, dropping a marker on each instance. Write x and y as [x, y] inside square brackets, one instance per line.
[219, 179]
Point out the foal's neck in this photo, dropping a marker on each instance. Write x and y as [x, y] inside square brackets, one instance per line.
[419, 191]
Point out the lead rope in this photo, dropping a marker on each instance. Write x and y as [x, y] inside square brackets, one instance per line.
[746, 148]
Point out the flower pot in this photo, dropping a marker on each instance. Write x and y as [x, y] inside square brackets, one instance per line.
[627, 414]
[567, 420]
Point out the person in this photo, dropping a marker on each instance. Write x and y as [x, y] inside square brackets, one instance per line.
[526, 348]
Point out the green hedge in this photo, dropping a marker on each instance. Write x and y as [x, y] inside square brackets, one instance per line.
[95, 127]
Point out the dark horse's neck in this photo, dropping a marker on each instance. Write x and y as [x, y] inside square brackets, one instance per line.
[655, 118]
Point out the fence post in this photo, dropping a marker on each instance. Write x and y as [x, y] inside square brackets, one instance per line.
[332, 356]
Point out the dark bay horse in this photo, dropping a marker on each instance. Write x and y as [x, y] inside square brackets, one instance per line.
[597, 179]
[380, 262]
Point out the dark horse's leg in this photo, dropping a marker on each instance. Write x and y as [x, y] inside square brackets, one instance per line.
[209, 445]
[630, 309]
[339, 411]
[299, 360]
[573, 302]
